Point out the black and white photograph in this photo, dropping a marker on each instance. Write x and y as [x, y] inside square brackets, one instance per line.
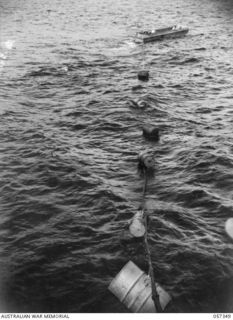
[116, 157]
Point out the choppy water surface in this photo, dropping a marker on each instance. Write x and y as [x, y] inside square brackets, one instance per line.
[69, 146]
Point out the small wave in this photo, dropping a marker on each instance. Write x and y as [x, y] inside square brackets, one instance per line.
[190, 60]
[48, 71]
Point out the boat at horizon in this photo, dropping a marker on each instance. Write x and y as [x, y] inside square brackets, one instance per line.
[176, 31]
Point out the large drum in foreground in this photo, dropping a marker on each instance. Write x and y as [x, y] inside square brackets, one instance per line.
[133, 288]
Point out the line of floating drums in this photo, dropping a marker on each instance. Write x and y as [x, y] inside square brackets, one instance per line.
[134, 288]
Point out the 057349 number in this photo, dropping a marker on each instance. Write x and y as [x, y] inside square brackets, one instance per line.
[222, 316]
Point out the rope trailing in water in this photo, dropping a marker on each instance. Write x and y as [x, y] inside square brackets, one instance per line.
[155, 295]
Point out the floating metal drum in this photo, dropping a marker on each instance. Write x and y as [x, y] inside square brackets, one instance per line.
[150, 132]
[146, 160]
[229, 227]
[137, 227]
[143, 75]
[133, 288]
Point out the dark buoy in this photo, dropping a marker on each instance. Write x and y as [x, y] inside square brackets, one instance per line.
[145, 162]
[143, 75]
[150, 132]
